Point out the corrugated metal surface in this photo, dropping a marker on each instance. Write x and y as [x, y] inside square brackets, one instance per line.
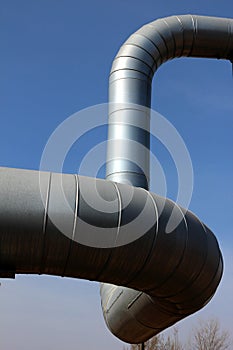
[74, 226]
[68, 225]
[130, 83]
[128, 162]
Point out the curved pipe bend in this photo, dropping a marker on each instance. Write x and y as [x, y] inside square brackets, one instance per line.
[80, 227]
[68, 225]
[129, 139]
[130, 84]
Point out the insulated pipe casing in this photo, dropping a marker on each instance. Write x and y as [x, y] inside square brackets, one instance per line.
[68, 225]
[130, 84]
[74, 226]
[129, 138]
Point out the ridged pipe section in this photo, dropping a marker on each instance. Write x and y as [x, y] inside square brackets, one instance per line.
[68, 225]
[129, 147]
[74, 226]
[130, 84]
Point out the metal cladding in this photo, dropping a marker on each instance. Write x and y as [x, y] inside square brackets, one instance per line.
[135, 316]
[167, 261]
[130, 83]
[73, 226]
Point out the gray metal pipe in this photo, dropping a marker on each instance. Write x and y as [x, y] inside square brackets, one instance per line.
[68, 225]
[73, 226]
[129, 124]
[130, 84]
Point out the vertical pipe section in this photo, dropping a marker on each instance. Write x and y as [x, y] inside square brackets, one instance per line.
[130, 84]
[128, 156]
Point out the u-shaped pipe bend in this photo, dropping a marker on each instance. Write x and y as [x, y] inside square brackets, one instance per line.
[167, 262]
[80, 227]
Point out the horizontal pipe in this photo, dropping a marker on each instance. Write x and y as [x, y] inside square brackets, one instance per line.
[74, 226]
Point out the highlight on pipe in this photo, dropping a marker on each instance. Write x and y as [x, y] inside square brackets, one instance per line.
[141, 246]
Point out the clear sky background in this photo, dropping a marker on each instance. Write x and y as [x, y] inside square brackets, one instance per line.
[55, 60]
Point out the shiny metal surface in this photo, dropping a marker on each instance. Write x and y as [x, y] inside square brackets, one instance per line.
[133, 69]
[74, 226]
[129, 124]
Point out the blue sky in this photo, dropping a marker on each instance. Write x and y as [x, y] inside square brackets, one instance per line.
[55, 60]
